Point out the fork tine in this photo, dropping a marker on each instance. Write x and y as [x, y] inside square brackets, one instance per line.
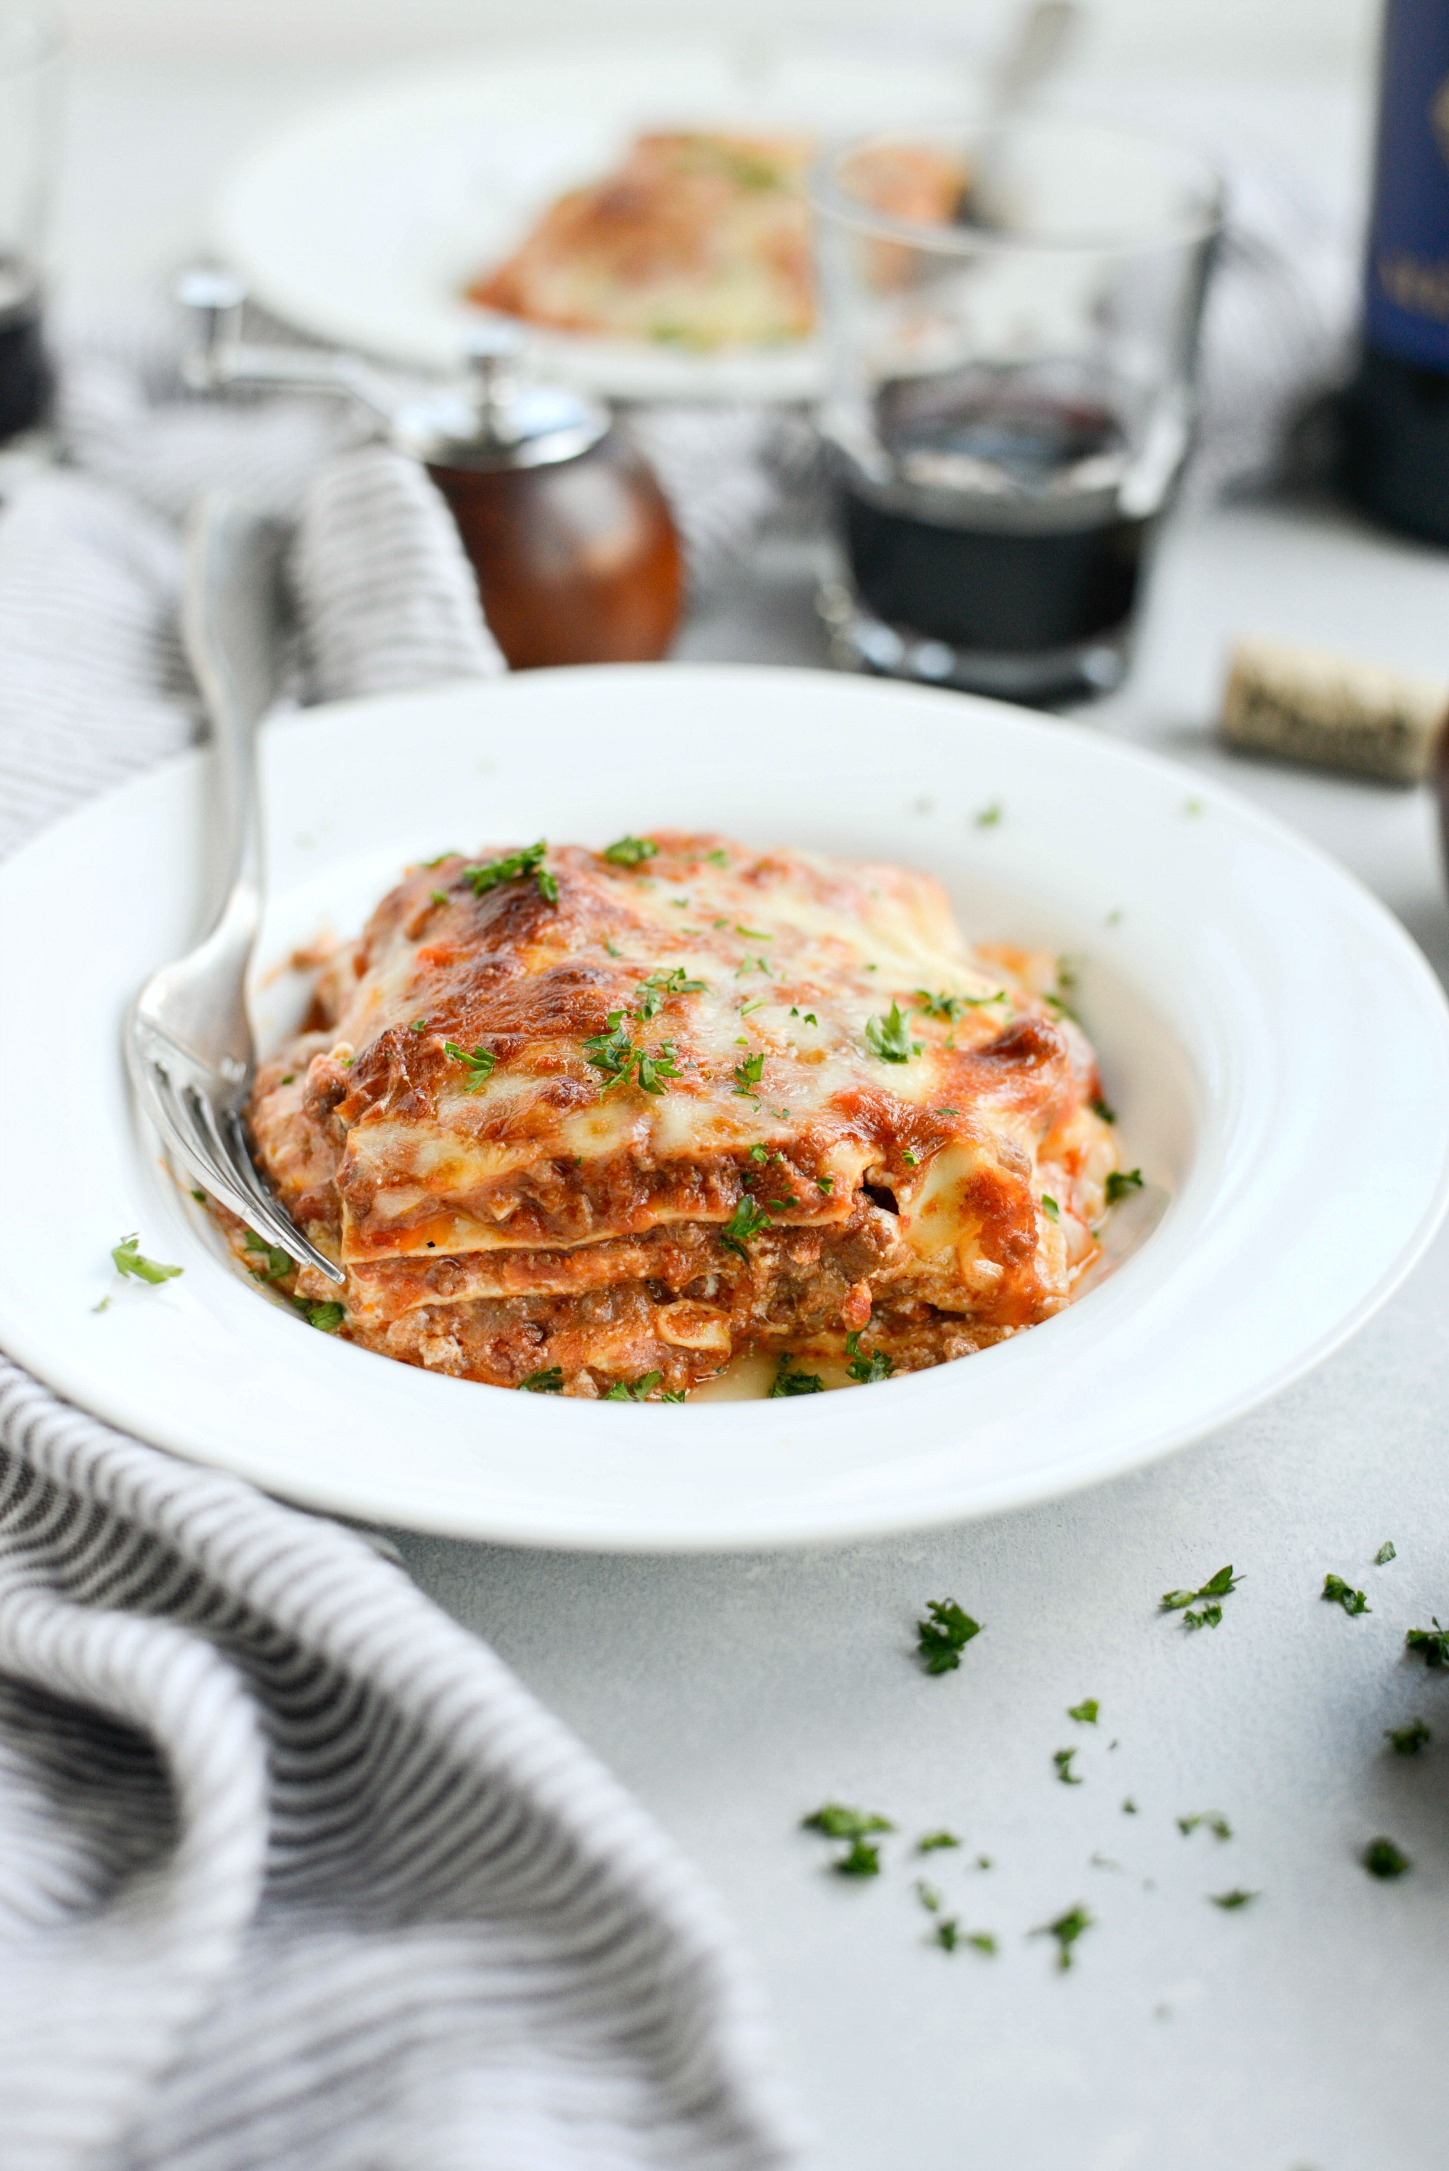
[178, 1136]
[263, 1213]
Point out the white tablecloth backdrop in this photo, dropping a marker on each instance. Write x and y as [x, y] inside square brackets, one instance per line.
[731, 1696]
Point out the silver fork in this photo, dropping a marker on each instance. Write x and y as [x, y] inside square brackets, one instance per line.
[188, 1039]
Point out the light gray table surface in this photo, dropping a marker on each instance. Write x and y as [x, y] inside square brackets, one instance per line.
[732, 1695]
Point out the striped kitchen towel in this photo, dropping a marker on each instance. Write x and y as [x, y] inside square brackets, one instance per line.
[294, 1875]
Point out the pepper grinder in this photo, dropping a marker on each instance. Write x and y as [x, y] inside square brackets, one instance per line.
[568, 532]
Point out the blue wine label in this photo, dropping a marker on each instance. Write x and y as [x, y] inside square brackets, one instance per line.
[1407, 275]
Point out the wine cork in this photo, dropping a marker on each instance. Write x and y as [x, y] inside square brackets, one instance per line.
[1336, 712]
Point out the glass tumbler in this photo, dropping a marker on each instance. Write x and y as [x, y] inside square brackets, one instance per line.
[1010, 323]
[30, 70]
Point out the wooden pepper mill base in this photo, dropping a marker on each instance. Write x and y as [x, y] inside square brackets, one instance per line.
[578, 560]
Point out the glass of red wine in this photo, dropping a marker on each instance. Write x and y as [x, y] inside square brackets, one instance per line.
[30, 63]
[1010, 320]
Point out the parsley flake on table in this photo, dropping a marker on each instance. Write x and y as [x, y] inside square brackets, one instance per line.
[547, 1382]
[129, 1260]
[1213, 1819]
[932, 1842]
[989, 816]
[638, 1390]
[1387, 1551]
[1129, 1807]
[1062, 1758]
[865, 1367]
[889, 1038]
[1383, 1858]
[1121, 1181]
[1408, 1740]
[1066, 1930]
[943, 1634]
[479, 1065]
[1216, 1587]
[1339, 1593]
[512, 868]
[326, 1318]
[630, 851]
[982, 1941]
[278, 1263]
[1229, 1901]
[928, 1896]
[1431, 1643]
[743, 1226]
[1085, 1713]
[787, 1382]
[947, 1933]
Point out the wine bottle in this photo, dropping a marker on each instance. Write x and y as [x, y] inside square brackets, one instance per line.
[1396, 413]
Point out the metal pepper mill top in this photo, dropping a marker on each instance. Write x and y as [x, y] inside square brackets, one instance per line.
[570, 537]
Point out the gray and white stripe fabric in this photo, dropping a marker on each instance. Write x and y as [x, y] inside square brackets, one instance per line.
[294, 1876]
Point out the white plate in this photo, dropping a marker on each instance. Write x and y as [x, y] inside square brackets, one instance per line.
[1276, 1046]
[365, 220]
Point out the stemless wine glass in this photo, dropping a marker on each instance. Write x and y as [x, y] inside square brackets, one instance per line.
[30, 65]
[1010, 321]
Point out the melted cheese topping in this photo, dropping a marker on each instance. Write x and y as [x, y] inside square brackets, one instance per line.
[858, 1122]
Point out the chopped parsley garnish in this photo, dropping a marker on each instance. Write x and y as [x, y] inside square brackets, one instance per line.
[419, 1025]
[1100, 1108]
[1343, 1594]
[440, 897]
[982, 1941]
[989, 816]
[1085, 1713]
[1120, 1182]
[1431, 1643]
[326, 1318]
[609, 947]
[1050, 1207]
[1129, 1807]
[1382, 1858]
[946, 1933]
[948, 1008]
[834, 1821]
[659, 987]
[288, 1077]
[718, 858]
[638, 1390]
[928, 1896]
[755, 934]
[760, 1153]
[630, 851]
[889, 1038]
[129, 1260]
[1216, 1587]
[1228, 1901]
[1066, 1930]
[911, 1158]
[825, 1183]
[787, 1382]
[547, 1382]
[744, 1225]
[861, 1860]
[866, 1367]
[431, 863]
[615, 1054]
[512, 868]
[1062, 1758]
[1408, 1740]
[199, 1196]
[1213, 1819]
[479, 1064]
[932, 1842]
[1387, 1551]
[749, 1073]
[943, 1634]
[278, 1262]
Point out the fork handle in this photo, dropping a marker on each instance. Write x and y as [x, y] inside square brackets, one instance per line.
[231, 620]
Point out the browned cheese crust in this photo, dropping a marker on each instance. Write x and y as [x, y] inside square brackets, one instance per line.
[857, 1128]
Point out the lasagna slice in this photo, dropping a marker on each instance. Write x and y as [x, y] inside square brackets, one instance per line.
[700, 239]
[603, 1122]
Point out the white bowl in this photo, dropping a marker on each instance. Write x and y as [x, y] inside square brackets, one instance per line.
[1276, 1047]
